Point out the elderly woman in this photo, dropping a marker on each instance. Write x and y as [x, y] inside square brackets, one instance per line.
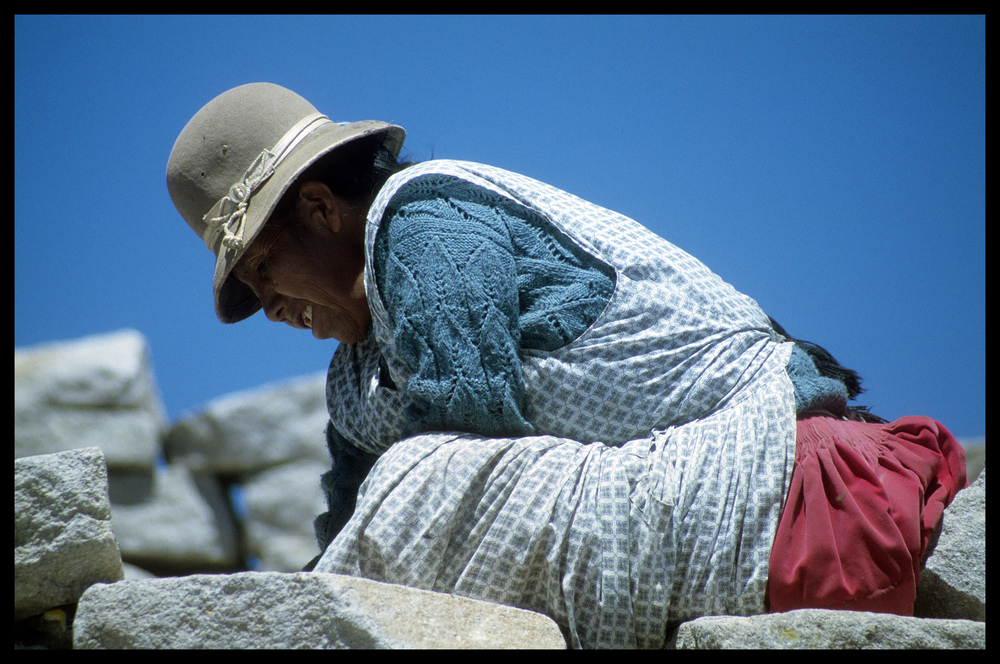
[539, 402]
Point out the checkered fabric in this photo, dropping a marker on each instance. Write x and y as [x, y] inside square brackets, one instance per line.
[654, 494]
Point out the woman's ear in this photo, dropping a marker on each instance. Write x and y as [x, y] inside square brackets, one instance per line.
[319, 205]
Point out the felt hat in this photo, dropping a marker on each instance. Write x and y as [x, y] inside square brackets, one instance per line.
[234, 161]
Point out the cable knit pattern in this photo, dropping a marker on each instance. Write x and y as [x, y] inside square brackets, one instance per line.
[468, 281]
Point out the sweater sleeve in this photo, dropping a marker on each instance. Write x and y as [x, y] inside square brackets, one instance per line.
[447, 275]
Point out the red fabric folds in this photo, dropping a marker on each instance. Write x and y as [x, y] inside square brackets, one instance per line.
[863, 503]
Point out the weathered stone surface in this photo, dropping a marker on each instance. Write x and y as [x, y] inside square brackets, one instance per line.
[424, 619]
[63, 539]
[819, 628]
[953, 582]
[251, 431]
[184, 524]
[281, 505]
[303, 610]
[93, 392]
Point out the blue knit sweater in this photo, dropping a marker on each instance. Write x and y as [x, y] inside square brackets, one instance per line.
[470, 279]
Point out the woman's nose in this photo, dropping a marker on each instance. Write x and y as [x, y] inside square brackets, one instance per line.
[274, 306]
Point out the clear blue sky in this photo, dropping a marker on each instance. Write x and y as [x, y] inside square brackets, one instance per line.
[833, 168]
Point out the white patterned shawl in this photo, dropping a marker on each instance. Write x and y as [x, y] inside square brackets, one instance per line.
[654, 495]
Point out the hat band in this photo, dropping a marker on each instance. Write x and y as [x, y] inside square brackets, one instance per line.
[228, 216]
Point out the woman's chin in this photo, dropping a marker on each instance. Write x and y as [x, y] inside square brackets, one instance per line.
[345, 329]
[319, 334]
[343, 336]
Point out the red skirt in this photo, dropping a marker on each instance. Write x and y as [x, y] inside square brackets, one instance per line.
[864, 501]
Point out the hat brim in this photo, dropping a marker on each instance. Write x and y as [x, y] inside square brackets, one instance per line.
[234, 301]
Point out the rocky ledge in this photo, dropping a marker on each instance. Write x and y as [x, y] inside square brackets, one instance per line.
[129, 533]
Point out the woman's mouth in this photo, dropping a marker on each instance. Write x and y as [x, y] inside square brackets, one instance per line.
[307, 316]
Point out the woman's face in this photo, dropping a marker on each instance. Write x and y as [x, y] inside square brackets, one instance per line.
[310, 276]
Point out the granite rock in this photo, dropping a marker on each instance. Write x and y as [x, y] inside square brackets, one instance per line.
[93, 392]
[63, 539]
[265, 610]
[953, 581]
[250, 431]
[183, 523]
[825, 629]
[278, 521]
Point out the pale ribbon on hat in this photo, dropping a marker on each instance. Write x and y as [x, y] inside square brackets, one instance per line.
[228, 215]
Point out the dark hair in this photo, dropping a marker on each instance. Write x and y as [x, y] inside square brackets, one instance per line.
[357, 170]
[354, 172]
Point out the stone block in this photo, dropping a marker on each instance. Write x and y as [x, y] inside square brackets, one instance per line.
[281, 505]
[63, 538]
[251, 431]
[302, 610]
[953, 581]
[825, 629]
[93, 392]
[183, 523]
